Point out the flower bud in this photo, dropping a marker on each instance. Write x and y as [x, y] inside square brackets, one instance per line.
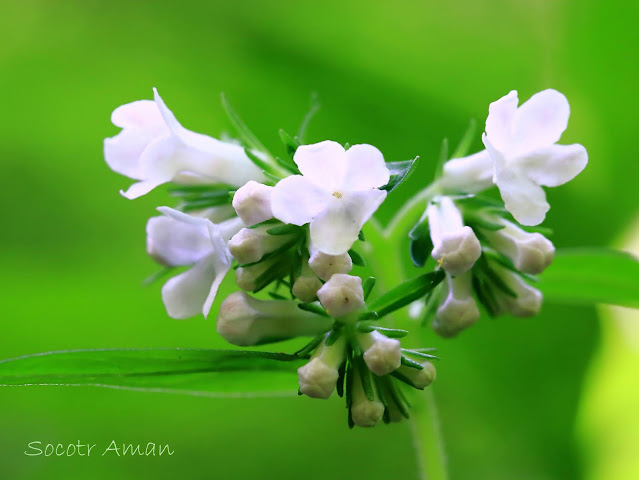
[458, 309]
[318, 377]
[341, 295]
[364, 412]
[306, 287]
[529, 252]
[382, 354]
[419, 378]
[528, 301]
[252, 202]
[244, 320]
[251, 278]
[249, 245]
[455, 246]
[325, 266]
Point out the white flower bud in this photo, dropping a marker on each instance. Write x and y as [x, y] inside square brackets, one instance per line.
[306, 287]
[529, 252]
[249, 245]
[341, 295]
[252, 202]
[244, 320]
[528, 301]
[247, 277]
[364, 412]
[382, 354]
[325, 266]
[318, 377]
[458, 309]
[419, 378]
[455, 246]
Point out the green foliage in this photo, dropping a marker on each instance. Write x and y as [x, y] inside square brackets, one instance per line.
[217, 373]
[589, 276]
[399, 172]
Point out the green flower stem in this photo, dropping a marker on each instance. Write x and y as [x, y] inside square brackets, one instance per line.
[386, 266]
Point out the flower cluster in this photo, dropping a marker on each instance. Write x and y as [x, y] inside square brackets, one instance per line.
[285, 228]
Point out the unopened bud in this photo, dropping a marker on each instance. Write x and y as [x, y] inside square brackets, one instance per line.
[529, 252]
[318, 377]
[341, 295]
[249, 245]
[455, 246]
[458, 309]
[419, 378]
[325, 266]
[251, 278]
[382, 355]
[252, 202]
[244, 320]
[306, 287]
[364, 412]
[528, 301]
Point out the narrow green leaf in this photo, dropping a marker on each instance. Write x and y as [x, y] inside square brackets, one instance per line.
[243, 131]
[314, 108]
[586, 276]
[407, 362]
[357, 258]
[443, 158]
[285, 229]
[216, 373]
[407, 292]
[367, 286]
[313, 308]
[400, 172]
[464, 144]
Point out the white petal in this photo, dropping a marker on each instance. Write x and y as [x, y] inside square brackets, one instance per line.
[122, 152]
[522, 196]
[173, 242]
[554, 165]
[141, 115]
[323, 163]
[138, 189]
[366, 168]
[297, 200]
[470, 174]
[335, 229]
[167, 115]
[501, 114]
[193, 291]
[540, 121]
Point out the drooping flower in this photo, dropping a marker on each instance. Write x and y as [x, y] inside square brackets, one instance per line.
[522, 144]
[178, 239]
[318, 377]
[458, 309]
[154, 148]
[337, 192]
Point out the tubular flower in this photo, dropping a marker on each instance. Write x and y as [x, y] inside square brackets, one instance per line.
[458, 309]
[318, 377]
[154, 148]
[178, 239]
[522, 143]
[337, 192]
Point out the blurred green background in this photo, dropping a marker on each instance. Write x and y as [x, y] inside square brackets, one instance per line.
[400, 75]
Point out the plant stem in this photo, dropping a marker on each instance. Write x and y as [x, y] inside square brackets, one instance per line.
[424, 422]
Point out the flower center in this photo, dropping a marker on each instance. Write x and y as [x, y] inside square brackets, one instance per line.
[337, 195]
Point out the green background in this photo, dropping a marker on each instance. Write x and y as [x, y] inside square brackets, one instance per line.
[400, 75]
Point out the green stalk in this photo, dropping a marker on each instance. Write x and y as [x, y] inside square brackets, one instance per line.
[424, 422]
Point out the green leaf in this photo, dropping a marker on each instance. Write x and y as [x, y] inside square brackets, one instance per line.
[400, 172]
[356, 258]
[464, 144]
[285, 229]
[215, 373]
[243, 131]
[407, 292]
[592, 276]
[314, 108]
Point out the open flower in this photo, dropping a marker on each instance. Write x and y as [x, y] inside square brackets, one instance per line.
[154, 148]
[178, 239]
[522, 144]
[337, 192]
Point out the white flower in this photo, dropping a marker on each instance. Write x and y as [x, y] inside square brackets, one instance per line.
[244, 320]
[325, 266]
[252, 202]
[337, 193]
[382, 354]
[341, 295]
[364, 412]
[154, 148]
[522, 144]
[306, 285]
[528, 301]
[318, 377]
[249, 245]
[470, 174]
[458, 309]
[178, 239]
[455, 246]
[529, 252]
